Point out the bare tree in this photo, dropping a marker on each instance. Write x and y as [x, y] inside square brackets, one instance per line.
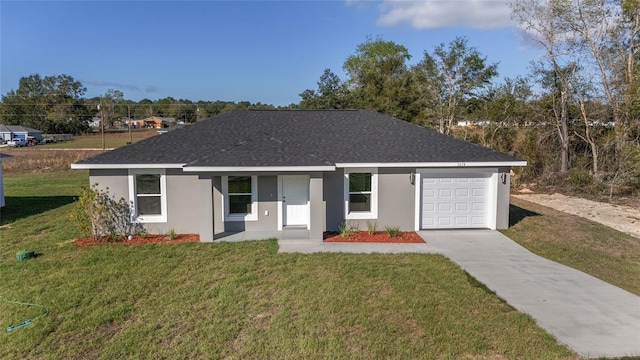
[543, 22]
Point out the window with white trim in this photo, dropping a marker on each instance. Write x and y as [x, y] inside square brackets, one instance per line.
[240, 198]
[148, 194]
[361, 193]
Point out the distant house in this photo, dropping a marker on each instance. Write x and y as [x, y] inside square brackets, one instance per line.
[8, 132]
[95, 122]
[134, 123]
[2, 158]
[465, 123]
[159, 122]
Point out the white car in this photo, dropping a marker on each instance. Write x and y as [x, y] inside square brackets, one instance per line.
[17, 142]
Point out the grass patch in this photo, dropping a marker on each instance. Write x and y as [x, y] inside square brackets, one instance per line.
[241, 300]
[94, 141]
[39, 160]
[585, 245]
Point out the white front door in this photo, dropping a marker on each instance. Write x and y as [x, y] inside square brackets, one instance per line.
[295, 199]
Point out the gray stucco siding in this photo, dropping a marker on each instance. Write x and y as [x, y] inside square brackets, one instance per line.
[396, 199]
[183, 204]
[115, 181]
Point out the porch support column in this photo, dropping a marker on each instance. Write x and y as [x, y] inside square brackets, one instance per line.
[316, 205]
[504, 189]
[206, 209]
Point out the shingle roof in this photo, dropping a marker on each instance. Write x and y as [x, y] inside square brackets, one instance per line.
[16, 128]
[259, 138]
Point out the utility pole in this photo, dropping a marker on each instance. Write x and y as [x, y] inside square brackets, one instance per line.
[101, 122]
[129, 122]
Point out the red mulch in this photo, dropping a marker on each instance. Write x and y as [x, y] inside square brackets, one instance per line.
[136, 240]
[378, 237]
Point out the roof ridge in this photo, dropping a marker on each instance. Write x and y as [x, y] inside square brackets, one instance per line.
[301, 110]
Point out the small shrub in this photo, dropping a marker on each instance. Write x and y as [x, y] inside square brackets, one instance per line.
[142, 232]
[172, 234]
[392, 231]
[347, 229]
[99, 215]
[579, 177]
[372, 227]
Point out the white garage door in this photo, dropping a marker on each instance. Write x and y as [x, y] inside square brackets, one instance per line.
[450, 201]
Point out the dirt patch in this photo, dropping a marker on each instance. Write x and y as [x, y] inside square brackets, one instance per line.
[377, 237]
[138, 240]
[621, 218]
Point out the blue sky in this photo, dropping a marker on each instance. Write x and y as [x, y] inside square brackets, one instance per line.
[259, 51]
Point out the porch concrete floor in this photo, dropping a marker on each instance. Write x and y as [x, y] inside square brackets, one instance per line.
[287, 234]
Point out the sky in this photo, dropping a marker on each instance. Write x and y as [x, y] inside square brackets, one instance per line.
[258, 51]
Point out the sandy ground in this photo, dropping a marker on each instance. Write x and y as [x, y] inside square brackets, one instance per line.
[621, 218]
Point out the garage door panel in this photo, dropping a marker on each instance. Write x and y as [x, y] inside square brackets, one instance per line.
[478, 192]
[444, 193]
[444, 207]
[455, 201]
[462, 206]
[462, 193]
[478, 206]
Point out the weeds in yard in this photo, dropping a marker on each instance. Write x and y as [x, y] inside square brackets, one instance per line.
[346, 228]
[372, 227]
[142, 232]
[36, 159]
[171, 234]
[392, 231]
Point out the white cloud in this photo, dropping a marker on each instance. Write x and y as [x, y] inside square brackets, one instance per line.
[431, 14]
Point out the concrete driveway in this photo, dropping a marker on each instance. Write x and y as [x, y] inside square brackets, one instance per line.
[592, 317]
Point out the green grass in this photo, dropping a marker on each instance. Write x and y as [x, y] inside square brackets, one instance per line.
[94, 141]
[236, 300]
[577, 242]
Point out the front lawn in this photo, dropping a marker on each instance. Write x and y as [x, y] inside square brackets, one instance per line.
[237, 300]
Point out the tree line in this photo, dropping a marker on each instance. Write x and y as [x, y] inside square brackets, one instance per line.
[56, 104]
[573, 116]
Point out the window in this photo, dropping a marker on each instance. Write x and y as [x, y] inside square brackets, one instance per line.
[148, 194]
[361, 193]
[240, 194]
[147, 191]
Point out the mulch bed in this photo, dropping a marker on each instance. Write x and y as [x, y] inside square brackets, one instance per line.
[378, 237]
[137, 240]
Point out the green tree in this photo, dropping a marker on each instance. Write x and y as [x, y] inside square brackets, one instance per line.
[379, 77]
[332, 93]
[448, 77]
[111, 108]
[53, 104]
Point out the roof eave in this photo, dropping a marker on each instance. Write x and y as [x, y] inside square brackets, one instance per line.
[82, 166]
[258, 168]
[433, 164]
